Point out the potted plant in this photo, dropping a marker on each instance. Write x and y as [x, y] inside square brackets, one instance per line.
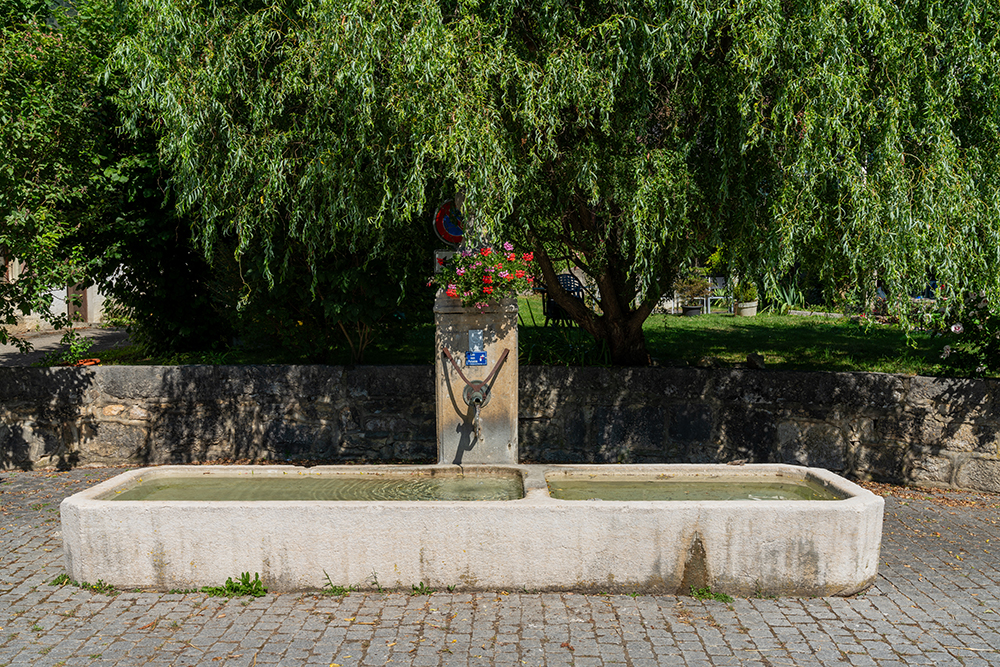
[745, 296]
[691, 289]
[478, 277]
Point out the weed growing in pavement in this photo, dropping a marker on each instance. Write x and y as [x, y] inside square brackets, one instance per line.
[232, 589]
[707, 594]
[99, 587]
[375, 583]
[332, 589]
[421, 589]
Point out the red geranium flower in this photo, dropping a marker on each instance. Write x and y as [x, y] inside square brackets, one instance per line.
[485, 252]
[520, 274]
[487, 279]
[487, 290]
[511, 257]
[528, 256]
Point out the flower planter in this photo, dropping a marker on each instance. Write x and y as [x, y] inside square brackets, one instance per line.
[690, 311]
[746, 308]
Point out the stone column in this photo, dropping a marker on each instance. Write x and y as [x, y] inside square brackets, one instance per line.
[456, 431]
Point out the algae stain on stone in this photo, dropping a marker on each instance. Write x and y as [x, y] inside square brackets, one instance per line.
[695, 573]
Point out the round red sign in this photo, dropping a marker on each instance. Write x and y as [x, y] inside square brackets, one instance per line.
[448, 223]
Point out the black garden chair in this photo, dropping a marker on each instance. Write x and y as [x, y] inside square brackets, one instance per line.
[553, 311]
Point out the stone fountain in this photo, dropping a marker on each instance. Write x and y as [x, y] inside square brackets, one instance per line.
[823, 542]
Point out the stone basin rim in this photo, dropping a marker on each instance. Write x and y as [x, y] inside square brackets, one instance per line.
[534, 478]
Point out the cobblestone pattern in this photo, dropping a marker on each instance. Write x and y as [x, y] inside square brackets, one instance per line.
[937, 602]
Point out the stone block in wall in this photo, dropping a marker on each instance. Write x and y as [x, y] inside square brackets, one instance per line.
[623, 433]
[576, 425]
[690, 423]
[24, 443]
[877, 391]
[543, 388]
[979, 473]
[747, 432]
[45, 388]
[925, 466]
[883, 462]
[308, 383]
[112, 441]
[563, 380]
[953, 398]
[389, 381]
[131, 382]
[705, 452]
[414, 451]
[290, 440]
[956, 436]
[540, 440]
[817, 445]
[902, 428]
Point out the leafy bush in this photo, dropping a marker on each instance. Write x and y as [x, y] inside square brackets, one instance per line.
[972, 336]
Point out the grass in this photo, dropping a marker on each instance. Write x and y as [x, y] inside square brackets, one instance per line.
[787, 342]
[792, 342]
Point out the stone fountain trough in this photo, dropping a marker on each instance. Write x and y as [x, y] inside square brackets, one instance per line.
[535, 542]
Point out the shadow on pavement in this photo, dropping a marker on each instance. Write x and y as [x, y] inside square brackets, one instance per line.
[44, 343]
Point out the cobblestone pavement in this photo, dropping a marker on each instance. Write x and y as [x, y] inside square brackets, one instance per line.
[935, 603]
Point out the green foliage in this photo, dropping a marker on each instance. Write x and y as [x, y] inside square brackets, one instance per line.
[243, 586]
[61, 580]
[971, 333]
[744, 291]
[76, 347]
[79, 202]
[485, 274]
[421, 589]
[55, 174]
[332, 589]
[99, 587]
[626, 138]
[692, 286]
[708, 594]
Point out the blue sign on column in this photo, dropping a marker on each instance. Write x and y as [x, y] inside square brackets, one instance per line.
[475, 358]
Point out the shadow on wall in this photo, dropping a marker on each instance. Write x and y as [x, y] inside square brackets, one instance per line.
[158, 415]
[41, 424]
[890, 428]
[947, 434]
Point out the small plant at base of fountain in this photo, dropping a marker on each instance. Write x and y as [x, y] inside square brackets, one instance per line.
[232, 589]
[486, 274]
[421, 589]
[334, 590]
[99, 587]
[708, 594]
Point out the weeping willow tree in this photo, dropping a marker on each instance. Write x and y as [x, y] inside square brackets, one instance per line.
[626, 138]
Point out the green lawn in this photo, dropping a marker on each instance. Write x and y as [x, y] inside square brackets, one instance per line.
[785, 342]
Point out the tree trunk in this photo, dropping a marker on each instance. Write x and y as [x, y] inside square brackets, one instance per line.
[619, 326]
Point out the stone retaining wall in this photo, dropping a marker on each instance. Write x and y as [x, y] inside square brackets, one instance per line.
[919, 430]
